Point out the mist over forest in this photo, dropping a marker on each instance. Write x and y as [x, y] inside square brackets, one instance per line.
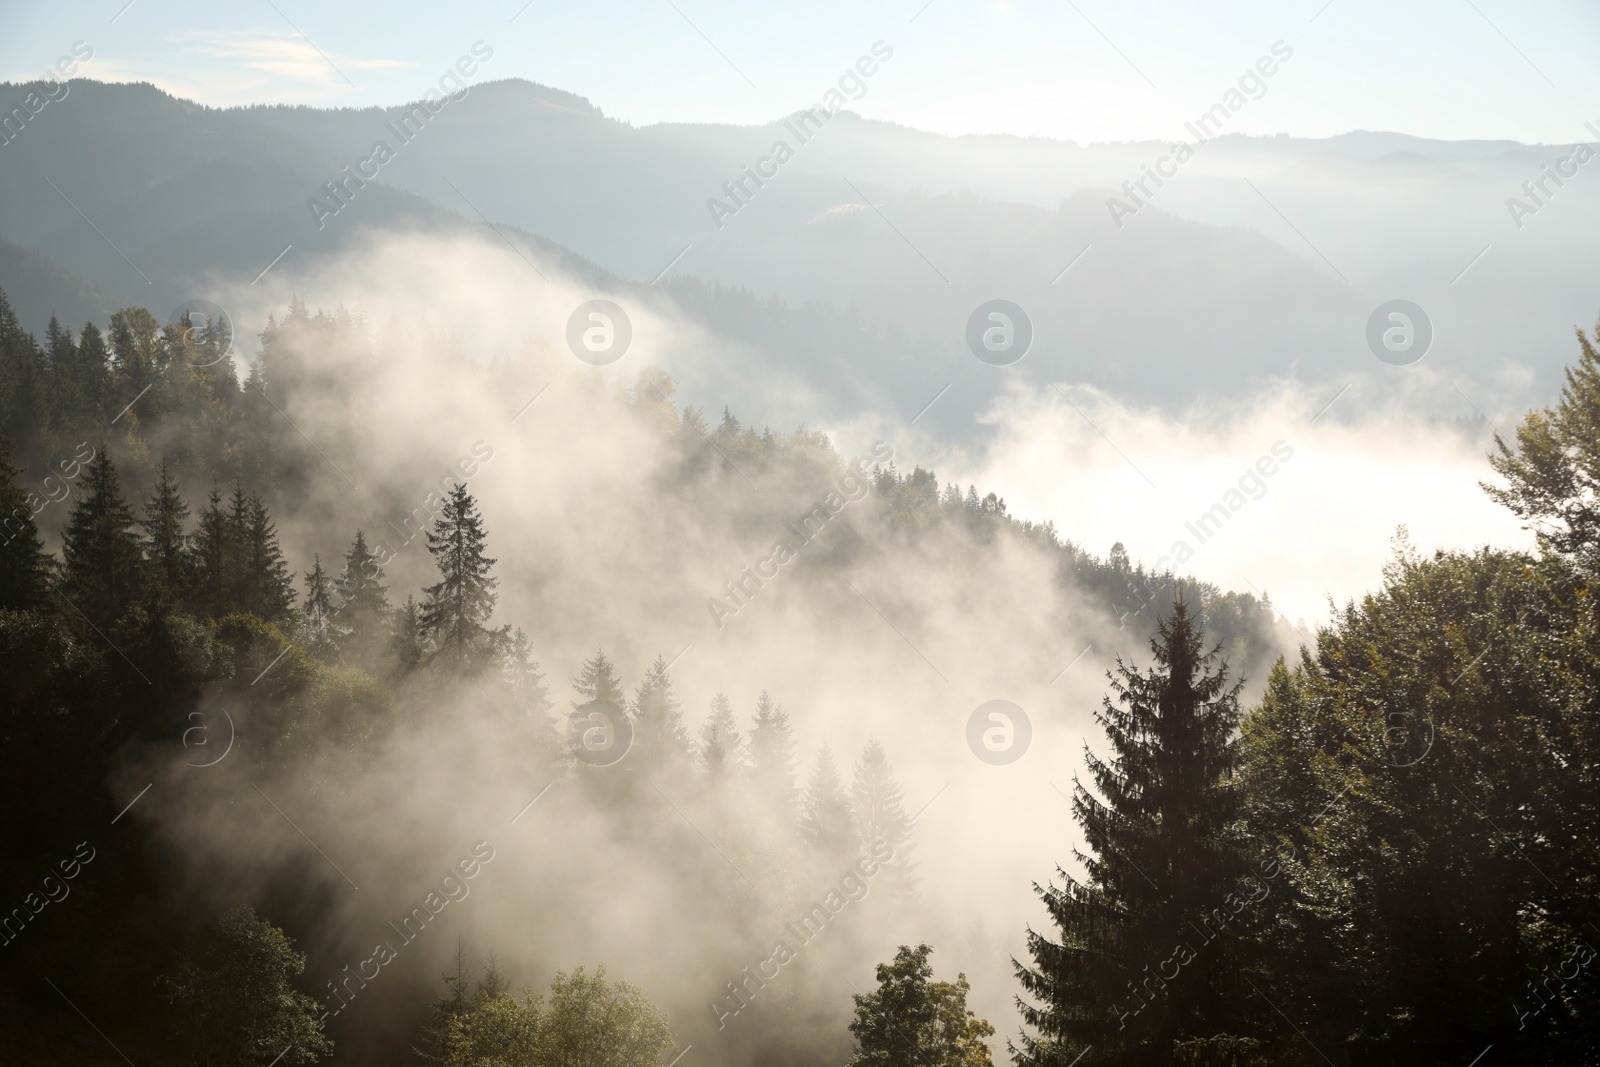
[489, 581]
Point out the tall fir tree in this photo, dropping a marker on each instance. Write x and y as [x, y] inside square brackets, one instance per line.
[213, 549]
[597, 680]
[660, 739]
[22, 379]
[456, 609]
[1161, 864]
[100, 551]
[721, 748]
[826, 822]
[365, 616]
[772, 759]
[165, 544]
[527, 681]
[879, 808]
[24, 566]
[264, 584]
[319, 610]
[409, 648]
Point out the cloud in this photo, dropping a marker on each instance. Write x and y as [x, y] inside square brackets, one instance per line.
[283, 55]
[1318, 526]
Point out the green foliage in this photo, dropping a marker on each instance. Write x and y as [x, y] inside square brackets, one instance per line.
[772, 758]
[456, 610]
[593, 1022]
[24, 567]
[589, 1022]
[826, 821]
[1162, 856]
[1553, 471]
[878, 804]
[1433, 769]
[234, 1001]
[910, 1020]
[1222, 1050]
[100, 551]
[721, 748]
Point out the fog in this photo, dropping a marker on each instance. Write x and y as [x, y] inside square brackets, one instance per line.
[863, 635]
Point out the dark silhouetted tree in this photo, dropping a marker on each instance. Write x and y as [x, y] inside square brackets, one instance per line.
[457, 608]
[1159, 858]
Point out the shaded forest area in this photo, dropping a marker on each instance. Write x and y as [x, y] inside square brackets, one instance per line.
[1390, 858]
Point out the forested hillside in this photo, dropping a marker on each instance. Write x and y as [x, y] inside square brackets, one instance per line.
[158, 637]
[233, 766]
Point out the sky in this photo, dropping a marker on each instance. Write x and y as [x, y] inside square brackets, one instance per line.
[1084, 70]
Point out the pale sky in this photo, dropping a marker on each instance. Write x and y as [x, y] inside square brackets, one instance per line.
[1087, 70]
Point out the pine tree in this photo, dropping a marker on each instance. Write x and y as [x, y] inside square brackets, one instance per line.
[264, 585]
[24, 567]
[409, 648]
[213, 548]
[660, 739]
[92, 377]
[772, 759]
[100, 551]
[1160, 868]
[22, 379]
[136, 346]
[457, 608]
[597, 680]
[826, 823]
[165, 546]
[61, 359]
[721, 748]
[526, 678]
[880, 814]
[364, 613]
[319, 610]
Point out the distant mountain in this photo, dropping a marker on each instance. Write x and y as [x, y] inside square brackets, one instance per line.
[39, 289]
[1261, 258]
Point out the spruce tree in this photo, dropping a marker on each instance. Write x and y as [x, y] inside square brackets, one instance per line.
[409, 648]
[457, 608]
[91, 376]
[597, 679]
[880, 814]
[1149, 947]
[165, 546]
[721, 748]
[319, 610]
[660, 739]
[263, 581]
[213, 548]
[826, 823]
[526, 679]
[61, 359]
[24, 567]
[364, 624]
[772, 759]
[100, 550]
[22, 380]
